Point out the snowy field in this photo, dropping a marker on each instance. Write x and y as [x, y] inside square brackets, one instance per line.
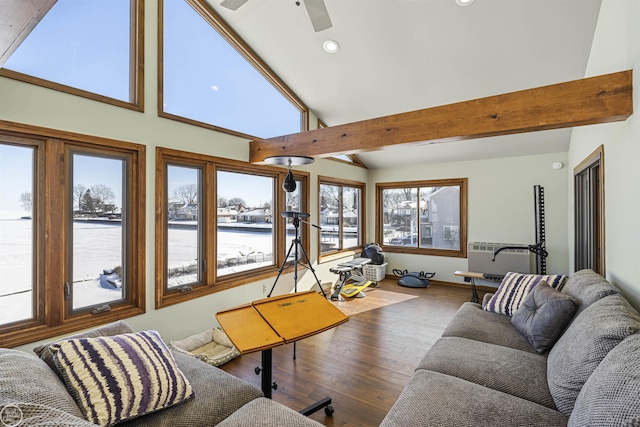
[97, 247]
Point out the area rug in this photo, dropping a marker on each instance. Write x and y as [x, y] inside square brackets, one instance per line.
[376, 298]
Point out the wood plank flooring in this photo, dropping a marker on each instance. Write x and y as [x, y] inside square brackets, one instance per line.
[363, 364]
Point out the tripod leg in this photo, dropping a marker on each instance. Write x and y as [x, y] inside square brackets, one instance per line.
[306, 257]
[282, 267]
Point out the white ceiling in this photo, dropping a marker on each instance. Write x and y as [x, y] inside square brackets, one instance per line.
[403, 55]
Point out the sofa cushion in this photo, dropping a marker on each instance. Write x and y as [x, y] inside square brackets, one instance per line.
[543, 316]
[115, 328]
[587, 287]
[474, 323]
[515, 372]
[265, 412]
[437, 400]
[593, 333]
[218, 395]
[611, 395]
[515, 287]
[28, 383]
[113, 379]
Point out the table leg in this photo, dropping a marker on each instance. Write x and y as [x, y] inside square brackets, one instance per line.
[267, 373]
[474, 291]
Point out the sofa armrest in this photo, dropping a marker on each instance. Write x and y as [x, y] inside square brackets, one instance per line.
[485, 299]
[265, 412]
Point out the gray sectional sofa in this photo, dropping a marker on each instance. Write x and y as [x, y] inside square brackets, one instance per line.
[28, 383]
[482, 371]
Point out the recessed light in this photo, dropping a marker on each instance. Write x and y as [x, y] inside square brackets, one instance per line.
[464, 2]
[331, 46]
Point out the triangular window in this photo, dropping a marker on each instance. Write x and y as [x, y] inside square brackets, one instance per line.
[208, 82]
[87, 48]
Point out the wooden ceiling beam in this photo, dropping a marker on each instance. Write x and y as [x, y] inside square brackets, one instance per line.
[594, 100]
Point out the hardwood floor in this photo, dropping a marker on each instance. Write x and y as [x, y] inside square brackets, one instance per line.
[364, 363]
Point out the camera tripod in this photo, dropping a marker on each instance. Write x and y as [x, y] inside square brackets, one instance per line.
[297, 247]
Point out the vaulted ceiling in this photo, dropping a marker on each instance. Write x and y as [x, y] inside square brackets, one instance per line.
[403, 55]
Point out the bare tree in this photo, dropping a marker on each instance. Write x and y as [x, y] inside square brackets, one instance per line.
[237, 202]
[329, 196]
[102, 195]
[26, 201]
[78, 192]
[397, 196]
[187, 194]
[222, 202]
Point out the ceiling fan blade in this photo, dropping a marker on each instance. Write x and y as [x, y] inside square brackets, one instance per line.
[233, 4]
[318, 14]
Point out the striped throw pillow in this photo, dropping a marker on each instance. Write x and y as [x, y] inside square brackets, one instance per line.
[113, 379]
[515, 287]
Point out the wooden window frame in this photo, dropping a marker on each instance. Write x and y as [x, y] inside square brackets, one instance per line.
[212, 283]
[219, 25]
[136, 69]
[331, 255]
[52, 216]
[461, 182]
[598, 223]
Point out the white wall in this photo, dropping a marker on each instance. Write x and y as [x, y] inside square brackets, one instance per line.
[616, 47]
[25, 103]
[500, 207]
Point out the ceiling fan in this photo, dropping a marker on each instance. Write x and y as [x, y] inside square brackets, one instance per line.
[315, 8]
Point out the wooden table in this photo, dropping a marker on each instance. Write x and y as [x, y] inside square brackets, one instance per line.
[270, 322]
[471, 276]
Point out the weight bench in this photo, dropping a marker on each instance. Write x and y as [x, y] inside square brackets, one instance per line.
[350, 271]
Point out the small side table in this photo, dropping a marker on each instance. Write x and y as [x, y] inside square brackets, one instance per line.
[471, 276]
[270, 322]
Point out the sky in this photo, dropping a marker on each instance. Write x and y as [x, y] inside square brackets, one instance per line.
[85, 44]
[16, 166]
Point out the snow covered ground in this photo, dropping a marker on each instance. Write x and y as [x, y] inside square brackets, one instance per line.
[96, 248]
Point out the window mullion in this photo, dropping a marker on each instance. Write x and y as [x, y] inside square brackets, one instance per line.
[209, 250]
[56, 248]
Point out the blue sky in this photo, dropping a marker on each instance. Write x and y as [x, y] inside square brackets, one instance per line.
[208, 80]
[85, 44]
[80, 43]
[16, 165]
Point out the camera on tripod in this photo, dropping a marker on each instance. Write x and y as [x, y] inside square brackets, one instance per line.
[294, 214]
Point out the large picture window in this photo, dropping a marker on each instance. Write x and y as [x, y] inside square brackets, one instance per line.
[341, 214]
[219, 223]
[17, 231]
[71, 233]
[427, 217]
[98, 230]
[211, 78]
[185, 266]
[92, 49]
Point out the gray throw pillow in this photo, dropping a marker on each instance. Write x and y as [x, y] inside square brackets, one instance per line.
[543, 316]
